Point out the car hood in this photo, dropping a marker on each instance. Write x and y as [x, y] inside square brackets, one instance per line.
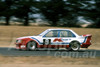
[28, 37]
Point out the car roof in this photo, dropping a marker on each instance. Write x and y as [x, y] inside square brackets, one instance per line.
[58, 29]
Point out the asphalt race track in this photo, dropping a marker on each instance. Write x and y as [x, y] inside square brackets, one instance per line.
[5, 51]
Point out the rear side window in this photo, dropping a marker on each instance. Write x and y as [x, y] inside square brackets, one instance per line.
[53, 33]
[66, 34]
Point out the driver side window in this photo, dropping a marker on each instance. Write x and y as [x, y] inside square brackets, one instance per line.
[52, 33]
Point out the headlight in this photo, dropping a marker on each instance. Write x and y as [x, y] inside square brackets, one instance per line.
[18, 41]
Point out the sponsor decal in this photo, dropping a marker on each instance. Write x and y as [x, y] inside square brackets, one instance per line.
[57, 40]
[60, 40]
[65, 39]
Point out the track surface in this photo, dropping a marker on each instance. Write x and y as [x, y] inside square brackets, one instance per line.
[63, 53]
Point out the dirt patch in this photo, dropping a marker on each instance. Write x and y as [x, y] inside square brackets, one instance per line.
[48, 60]
[36, 65]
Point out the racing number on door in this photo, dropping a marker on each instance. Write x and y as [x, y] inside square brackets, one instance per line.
[46, 41]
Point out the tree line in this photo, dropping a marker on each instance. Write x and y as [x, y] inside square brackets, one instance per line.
[57, 12]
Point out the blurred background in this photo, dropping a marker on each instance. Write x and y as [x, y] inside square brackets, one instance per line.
[20, 18]
[62, 13]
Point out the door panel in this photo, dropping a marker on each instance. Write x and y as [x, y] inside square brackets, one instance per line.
[57, 38]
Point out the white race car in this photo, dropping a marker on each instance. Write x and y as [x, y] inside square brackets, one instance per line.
[54, 38]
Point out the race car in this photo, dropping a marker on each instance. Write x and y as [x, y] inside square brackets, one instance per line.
[54, 38]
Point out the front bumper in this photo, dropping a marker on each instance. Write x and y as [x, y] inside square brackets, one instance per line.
[20, 46]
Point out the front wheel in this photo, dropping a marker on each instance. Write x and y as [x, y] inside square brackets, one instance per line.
[31, 45]
[75, 46]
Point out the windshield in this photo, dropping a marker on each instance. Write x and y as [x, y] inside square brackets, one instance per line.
[41, 34]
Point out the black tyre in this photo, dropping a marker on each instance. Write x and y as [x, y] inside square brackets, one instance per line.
[31, 45]
[75, 46]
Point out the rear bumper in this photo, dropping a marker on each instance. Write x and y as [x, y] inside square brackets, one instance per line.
[87, 41]
[85, 45]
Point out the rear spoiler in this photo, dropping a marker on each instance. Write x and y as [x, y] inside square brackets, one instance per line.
[87, 35]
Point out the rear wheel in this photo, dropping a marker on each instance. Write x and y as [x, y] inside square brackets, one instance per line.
[75, 46]
[31, 45]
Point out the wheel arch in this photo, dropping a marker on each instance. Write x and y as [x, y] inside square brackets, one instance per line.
[32, 40]
[74, 41]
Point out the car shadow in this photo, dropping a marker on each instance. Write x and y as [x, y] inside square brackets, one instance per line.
[52, 50]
